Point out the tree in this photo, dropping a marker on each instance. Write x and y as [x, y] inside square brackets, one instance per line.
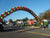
[10, 20]
[47, 14]
[3, 21]
[25, 19]
[31, 19]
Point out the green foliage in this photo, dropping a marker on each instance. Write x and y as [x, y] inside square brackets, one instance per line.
[38, 24]
[27, 25]
[3, 21]
[10, 20]
[25, 19]
[45, 23]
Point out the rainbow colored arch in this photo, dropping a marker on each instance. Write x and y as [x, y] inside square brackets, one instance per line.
[6, 13]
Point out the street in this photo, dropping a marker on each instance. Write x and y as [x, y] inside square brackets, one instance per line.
[27, 33]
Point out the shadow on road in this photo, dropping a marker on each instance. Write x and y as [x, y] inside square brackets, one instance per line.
[8, 30]
[25, 29]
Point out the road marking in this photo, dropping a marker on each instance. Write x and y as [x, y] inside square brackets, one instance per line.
[18, 30]
[35, 33]
[38, 33]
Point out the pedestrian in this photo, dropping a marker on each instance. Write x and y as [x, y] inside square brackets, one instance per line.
[41, 25]
[24, 24]
[47, 26]
[35, 23]
[44, 26]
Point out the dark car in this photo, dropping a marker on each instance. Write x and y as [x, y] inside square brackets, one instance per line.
[1, 28]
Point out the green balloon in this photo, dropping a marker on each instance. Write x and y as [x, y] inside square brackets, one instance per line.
[20, 7]
[17, 8]
[5, 15]
[8, 13]
[31, 12]
[2, 13]
[9, 9]
[6, 10]
[33, 15]
[2, 18]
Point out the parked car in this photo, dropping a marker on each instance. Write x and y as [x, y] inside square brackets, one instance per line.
[1, 27]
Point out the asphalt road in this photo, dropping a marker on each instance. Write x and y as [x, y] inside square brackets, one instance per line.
[34, 33]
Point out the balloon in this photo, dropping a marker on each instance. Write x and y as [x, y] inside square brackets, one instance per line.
[31, 12]
[2, 15]
[18, 7]
[2, 18]
[14, 9]
[11, 11]
[5, 15]
[8, 12]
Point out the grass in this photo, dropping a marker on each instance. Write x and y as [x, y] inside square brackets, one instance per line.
[26, 25]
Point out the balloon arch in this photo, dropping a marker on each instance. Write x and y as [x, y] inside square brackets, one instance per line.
[6, 13]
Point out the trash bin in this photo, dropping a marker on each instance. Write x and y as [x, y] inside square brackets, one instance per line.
[49, 24]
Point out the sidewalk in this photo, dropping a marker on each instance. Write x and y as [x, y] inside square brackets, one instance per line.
[30, 28]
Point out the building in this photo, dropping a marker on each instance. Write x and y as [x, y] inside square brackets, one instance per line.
[20, 22]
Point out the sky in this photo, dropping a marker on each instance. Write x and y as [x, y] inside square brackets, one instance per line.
[37, 6]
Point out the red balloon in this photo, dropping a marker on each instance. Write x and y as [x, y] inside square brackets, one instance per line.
[12, 9]
[10, 12]
[21, 7]
[0, 19]
[6, 13]
[2, 15]
[18, 7]
[15, 8]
